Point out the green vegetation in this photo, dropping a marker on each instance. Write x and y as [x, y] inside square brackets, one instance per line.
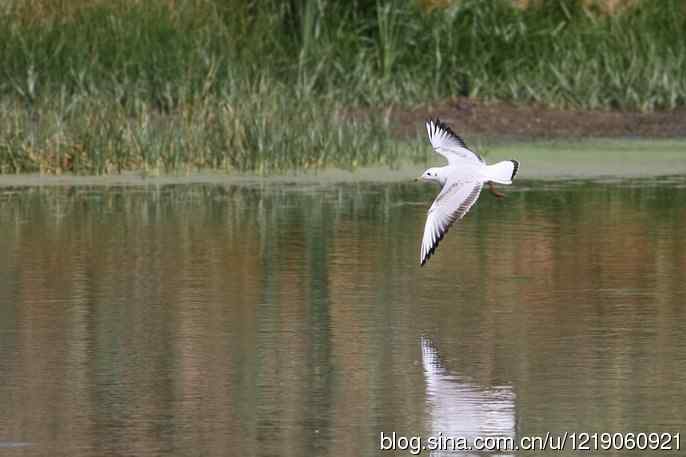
[166, 86]
[594, 158]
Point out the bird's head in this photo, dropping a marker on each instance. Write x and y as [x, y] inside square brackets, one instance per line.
[432, 174]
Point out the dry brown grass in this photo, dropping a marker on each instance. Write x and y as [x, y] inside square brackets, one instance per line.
[45, 11]
[50, 11]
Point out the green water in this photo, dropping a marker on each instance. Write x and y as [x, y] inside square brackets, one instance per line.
[294, 319]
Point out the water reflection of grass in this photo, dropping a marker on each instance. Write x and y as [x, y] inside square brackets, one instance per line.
[275, 296]
[165, 86]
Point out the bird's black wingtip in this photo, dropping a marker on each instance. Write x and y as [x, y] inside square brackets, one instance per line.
[515, 170]
[439, 125]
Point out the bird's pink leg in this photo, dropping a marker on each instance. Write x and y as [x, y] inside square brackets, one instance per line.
[491, 188]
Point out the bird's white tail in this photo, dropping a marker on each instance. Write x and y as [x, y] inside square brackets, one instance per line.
[502, 172]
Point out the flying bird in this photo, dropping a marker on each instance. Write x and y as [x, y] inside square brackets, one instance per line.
[461, 182]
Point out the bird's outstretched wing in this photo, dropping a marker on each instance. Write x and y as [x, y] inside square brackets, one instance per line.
[452, 203]
[448, 144]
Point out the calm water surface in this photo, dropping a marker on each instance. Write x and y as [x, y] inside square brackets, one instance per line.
[294, 320]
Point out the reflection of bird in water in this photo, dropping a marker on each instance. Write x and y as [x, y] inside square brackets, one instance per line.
[457, 408]
[461, 181]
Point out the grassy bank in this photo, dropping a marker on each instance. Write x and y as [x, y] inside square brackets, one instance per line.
[100, 87]
[659, 160]
[258, 129]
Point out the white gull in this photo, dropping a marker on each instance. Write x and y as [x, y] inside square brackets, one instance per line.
[461, 182]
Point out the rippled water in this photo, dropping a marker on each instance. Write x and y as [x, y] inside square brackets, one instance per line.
[294, 320]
